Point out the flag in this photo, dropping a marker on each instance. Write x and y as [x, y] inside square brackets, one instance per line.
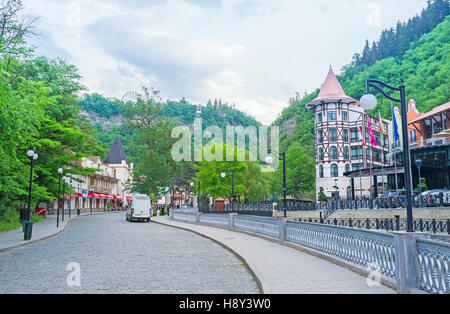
[361, 137]
[396, 137]
[373, 140]
[381, 125]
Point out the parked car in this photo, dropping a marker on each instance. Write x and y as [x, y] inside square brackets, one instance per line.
[433, 196]
[139, 209]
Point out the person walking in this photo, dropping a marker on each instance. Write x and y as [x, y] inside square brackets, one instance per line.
[24, 216]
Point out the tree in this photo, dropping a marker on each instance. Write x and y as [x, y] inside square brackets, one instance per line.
[154, 166]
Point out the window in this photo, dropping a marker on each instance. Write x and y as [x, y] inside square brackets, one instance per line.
[332, 116]
[369, 153]
[319, 118]
[344, 115]
[347, 168]
[321, 154]
[333, 153]
[333, 135]
[346, 135]
[346, 153]
[355, 136]
[357, 167]
[320, 137]
[321, 171]
[334, 170]
[357, 153]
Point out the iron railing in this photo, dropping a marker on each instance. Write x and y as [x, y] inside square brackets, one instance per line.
[364, 248]
[388, 224]
[215, 219]
[184, 216]
[262, 225]
[434, 261]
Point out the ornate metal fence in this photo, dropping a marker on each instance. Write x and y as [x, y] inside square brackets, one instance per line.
[434, 261]
[364, 248]
[266, 226]
[184, 216]
[215, 219]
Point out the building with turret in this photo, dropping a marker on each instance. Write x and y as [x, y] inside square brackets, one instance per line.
[339, 148]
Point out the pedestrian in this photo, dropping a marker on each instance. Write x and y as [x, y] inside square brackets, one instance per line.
[24, 216]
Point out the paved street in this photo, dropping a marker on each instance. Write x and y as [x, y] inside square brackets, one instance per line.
[120, 257]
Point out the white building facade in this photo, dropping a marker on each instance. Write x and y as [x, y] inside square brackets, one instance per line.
[339, 148]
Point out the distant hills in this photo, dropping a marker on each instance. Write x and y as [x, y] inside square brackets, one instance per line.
[105, 114]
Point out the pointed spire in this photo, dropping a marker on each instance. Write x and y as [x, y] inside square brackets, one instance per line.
[331, 91]
[116, 155]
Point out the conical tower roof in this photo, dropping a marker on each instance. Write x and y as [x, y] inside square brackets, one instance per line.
[116, 155]
[331, 91]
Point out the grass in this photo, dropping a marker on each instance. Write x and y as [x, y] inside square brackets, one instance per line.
[12, 221]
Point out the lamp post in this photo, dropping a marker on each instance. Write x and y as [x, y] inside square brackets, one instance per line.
[370, 100]
[79, 200]
[70, 194]
[60, 171]
[28, 224]
[63, 196]
[281, 157]
[223, 175]
[419, 164]
[198, 189]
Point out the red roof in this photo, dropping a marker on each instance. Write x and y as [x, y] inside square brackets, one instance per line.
[433, 112]
[331, 91]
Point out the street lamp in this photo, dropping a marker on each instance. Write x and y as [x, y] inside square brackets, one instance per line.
[281, 157]
[419, 164]
[223, 175]
[60, 171]
[28, 224]
[63, 196]
[370, 101]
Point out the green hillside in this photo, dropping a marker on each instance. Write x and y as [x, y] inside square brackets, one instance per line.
[424, 69]
[182, 112]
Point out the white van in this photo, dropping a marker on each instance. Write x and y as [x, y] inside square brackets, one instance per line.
[139, 208]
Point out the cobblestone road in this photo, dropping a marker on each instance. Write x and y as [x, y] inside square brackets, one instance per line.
[120, 257]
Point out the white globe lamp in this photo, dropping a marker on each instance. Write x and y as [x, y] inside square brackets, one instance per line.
[368, 102]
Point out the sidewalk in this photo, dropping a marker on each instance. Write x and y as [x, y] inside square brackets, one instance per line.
[284, 270]
[41, 231]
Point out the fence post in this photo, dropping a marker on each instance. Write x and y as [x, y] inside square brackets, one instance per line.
[350, 223]
[197, 217]
[406, 261]
[397, 223]
[433, 222]
[335, 221]
[171, 215]
[321, 218]
[368, 224]
[282, 229]
[231, 216]
[448, 226]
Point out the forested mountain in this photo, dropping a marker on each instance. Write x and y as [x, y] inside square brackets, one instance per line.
[424, 69]
[395, 42]
[105, 116]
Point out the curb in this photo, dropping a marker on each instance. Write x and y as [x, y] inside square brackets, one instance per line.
[41, 239]
[49, 236]
[249, 269]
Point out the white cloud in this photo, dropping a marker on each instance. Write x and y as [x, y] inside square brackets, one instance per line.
[256, 53]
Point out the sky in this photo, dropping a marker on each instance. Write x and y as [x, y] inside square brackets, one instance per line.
[253, 53]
